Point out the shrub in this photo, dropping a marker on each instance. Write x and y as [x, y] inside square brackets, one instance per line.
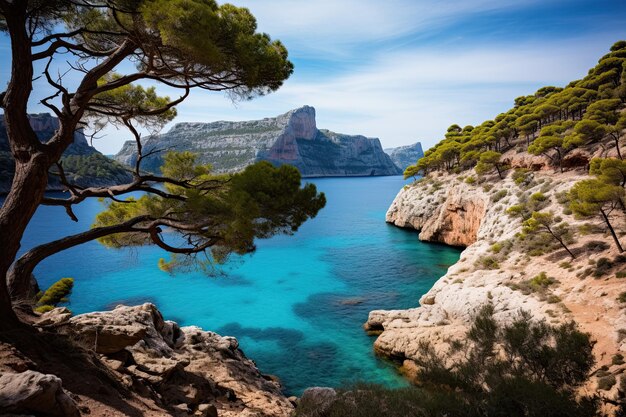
[470, 180]
[596, 246]
[622, 297]
[488, 262]
[538, 197]
[603, 266]
[617, 359]
[541, 282]
[57, 293]
[522, 176]
[44, 309]
[496, 247]
[553, 299]
[606, 382]
[522, 369]
[499, 196]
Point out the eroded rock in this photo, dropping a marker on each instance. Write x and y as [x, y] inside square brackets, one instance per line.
[196, 370]
[31, 392]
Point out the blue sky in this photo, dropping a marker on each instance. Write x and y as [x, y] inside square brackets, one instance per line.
[404, 70]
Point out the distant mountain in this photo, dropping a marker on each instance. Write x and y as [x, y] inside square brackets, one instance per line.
[292, 138]
[83, 164]
[404, 156]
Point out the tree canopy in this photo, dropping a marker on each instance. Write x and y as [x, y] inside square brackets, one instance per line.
[96, 55]
[552, 122]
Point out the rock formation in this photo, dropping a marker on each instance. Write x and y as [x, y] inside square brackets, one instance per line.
[404, 156]
[292, 138]
[187, 366]
[448, 209]
[85, 167]
[168, 369]
[31, 392]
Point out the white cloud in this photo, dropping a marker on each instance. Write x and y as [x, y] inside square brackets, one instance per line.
[411, 95]
[331, 26]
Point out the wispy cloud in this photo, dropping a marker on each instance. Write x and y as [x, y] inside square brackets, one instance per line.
[404, 70]
[331, 26]
[416, 94]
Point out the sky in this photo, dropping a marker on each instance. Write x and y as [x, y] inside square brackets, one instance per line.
[405, 70]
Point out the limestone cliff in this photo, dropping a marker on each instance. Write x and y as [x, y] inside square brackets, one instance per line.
[292, 138]
[496, 267]
[403, 156]
[83, 164]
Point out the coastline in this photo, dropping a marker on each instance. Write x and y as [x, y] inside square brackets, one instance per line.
[449, 210]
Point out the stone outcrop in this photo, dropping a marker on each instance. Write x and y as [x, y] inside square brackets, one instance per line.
[81, 173]
[292, 138]
[33, 393]
[452, 210]
[187, 371]
[450, 215]
[403, 156]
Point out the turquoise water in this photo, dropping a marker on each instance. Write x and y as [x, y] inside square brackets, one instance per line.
[296, 305]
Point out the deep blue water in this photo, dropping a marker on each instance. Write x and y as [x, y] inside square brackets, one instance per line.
[296, 305]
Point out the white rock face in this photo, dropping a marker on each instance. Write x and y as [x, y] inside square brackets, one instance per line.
[187, 367]
[291, 138]
[449, 210]
[403, 156]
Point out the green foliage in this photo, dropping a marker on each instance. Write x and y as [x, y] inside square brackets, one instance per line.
[541, 281]
[411, 171]
[56, 294]
[496, 247]
[223, 214]
[488, 262]
[141, 104]
[499, 196]
[547, 223]
[596, 197]
[525, 368]
[622, 297]
[583, 113]
[521, 176]
[488, 161]
[80, 167]
[609, 170]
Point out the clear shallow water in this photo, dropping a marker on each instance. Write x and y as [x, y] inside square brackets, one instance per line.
[296, 305]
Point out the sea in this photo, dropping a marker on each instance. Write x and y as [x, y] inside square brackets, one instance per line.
[296, 305]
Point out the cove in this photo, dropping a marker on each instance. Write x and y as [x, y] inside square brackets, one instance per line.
[296, 305]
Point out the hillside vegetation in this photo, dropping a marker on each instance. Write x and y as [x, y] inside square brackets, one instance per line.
[536, 196]
[552, 122]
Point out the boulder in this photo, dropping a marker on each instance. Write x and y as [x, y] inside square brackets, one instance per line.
[32, 392]
[197, 370]
[55, 317]
[317, 398]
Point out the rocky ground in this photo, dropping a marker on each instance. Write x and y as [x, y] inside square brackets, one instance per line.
[133, 363]
[496, 268]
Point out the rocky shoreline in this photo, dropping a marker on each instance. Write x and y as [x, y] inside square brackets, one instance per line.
[454, 210]
[166, 370]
